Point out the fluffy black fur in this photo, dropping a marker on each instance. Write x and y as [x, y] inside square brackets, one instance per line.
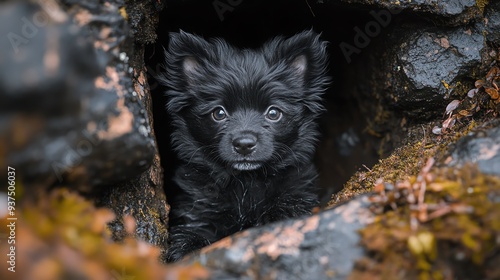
[244, 127]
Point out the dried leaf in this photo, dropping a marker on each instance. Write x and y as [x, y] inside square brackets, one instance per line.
[429, 177]
[436, 187]
[479, 83]
[424, 243]
[101, 217]
[462, 208]
[439, 212]
[422, 216]
[448, 123]
[452, 106]
[494, 73]
[379, 187]
[445, 84]
[446, 185]
[465, 113]
[404, 185]
[428, 242]
[129, 224]
[472, 92]
[415, 246]
[428, 165]
[493, 93]
[437, 130]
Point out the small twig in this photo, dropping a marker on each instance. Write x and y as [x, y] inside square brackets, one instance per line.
[421, 193]
[425, 137]
[366, 167]
[440, 212]
[310, 9]
[428, 165]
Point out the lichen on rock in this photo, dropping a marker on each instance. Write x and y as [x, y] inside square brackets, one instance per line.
[444, 220]
[63, 235]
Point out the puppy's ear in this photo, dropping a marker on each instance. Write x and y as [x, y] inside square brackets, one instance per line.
[190, 66]
[185, 57]
[304, 53]
[299, 65]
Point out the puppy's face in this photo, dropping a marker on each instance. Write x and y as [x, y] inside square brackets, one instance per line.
[245, 109]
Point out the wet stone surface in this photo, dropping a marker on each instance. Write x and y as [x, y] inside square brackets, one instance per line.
[452, 12]
[492, 22]
[66, 117]
[481, 148]
[428, 61]
[317, 247]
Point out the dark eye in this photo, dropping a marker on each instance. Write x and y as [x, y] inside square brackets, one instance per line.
[219, 114]
[273, 114]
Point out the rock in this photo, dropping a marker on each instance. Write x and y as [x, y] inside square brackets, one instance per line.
[317, 247]
[451, 12]
[67, 119]
[408, 69]
[492, 22]
[142, 198]
[427, 64]
[78, 109]
[144, 18]
[80, 114]
[481, 148]
[410, 74]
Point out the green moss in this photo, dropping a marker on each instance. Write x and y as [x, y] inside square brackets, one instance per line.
[403, 161]
[454, 231]
[408, 159]
[481, 4]
[63, 236]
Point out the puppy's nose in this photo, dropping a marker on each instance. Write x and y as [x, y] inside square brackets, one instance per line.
[245, 145]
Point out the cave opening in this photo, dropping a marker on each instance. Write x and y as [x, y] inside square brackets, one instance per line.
[345, 145]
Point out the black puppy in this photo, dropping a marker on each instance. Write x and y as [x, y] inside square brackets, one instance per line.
[244, 126]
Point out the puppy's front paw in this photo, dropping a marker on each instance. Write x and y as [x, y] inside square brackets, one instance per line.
[282, 212]
[176, 252]
[183, 242]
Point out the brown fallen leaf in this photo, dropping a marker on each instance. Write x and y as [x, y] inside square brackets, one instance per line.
[493, 74]
[452, 106]
[493, 93]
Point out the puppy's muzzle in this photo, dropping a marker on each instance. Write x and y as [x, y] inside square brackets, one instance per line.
[245, 144]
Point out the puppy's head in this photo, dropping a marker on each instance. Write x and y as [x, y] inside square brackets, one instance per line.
[245, 109]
